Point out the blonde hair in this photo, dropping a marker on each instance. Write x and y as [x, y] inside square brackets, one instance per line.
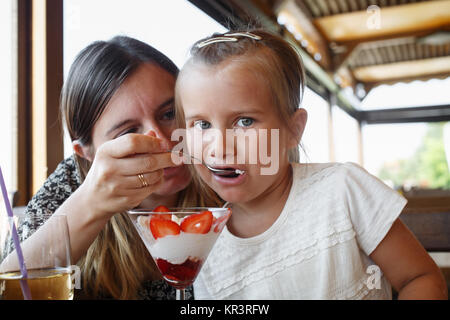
[271, 57]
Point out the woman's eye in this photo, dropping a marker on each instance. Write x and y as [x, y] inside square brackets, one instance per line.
[168, 115]
[245, 122]
[130, 130]
[202, 124]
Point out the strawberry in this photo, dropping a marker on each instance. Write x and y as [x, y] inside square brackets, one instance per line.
[163, 227]
[197, 223]
[163, 209]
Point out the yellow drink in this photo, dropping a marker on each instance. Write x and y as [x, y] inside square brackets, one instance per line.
[45, 284]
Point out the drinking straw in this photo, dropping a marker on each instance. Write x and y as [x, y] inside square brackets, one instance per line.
[23, 269]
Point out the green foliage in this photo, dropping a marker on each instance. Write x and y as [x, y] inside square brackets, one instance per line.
[427, 168]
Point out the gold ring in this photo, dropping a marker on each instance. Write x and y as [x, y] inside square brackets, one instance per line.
[143, 181]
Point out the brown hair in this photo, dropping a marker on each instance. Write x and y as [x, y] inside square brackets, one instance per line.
[117, 261]
[271, 58]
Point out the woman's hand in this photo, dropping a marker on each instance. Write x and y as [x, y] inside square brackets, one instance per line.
[112, 184]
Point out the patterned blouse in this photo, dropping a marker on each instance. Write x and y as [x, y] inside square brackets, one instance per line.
[55, 190]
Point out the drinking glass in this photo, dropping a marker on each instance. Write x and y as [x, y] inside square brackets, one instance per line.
[180, 240]
[46, 254]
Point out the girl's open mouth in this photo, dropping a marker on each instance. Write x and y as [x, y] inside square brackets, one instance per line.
[232, 176]
[231, 173]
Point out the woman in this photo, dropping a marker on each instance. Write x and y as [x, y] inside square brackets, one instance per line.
[117, 103]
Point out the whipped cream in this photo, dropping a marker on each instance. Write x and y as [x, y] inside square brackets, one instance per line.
[176, 248]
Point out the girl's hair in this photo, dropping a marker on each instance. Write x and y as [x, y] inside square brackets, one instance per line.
[117, 262]
[271, 58]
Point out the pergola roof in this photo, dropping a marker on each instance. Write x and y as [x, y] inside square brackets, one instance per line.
[355, 44]
[373, 42]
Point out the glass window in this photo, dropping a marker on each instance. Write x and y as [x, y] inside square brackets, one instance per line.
[170, 26]
[413, 155]
[315, 141]
[7, 85]
[345, 136]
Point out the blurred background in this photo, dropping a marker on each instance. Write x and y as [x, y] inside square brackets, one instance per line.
[378, 83]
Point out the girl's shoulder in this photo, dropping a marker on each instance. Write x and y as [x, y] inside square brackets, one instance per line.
[329, 170]
[332, 179]
[314, 172]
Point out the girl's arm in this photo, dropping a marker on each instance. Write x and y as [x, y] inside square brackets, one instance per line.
[407, 265]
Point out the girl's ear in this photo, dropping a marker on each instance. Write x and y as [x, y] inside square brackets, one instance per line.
[82, 150]
[298, 123]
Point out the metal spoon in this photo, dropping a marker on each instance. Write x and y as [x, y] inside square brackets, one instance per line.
[220, 172]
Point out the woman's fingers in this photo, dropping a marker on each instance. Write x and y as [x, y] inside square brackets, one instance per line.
[143, 180]
[127, 170]
[131, 198]
[145, 163]
[131, 144]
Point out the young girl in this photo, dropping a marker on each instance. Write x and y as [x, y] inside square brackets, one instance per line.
[307, 231]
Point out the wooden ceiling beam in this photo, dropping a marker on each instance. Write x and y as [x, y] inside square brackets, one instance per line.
[370, 85]
[394, 21]
[301, 26]
[404, 69]
[340, 60]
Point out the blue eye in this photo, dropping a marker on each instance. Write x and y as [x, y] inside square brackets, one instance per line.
[245, 122]
[202, 124]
